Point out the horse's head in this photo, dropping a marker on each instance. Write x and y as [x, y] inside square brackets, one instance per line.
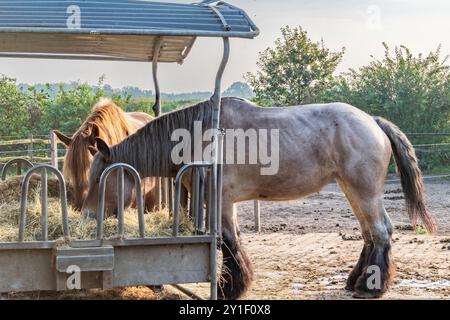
[100, 162]
[80, 149]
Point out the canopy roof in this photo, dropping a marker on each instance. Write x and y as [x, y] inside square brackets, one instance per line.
[131, 30]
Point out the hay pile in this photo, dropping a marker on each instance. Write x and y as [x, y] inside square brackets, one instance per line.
[129, 293]
[11, 188]
[157, 223]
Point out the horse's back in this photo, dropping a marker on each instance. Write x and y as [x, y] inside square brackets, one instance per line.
[317, 143]
[138, 119]
[323, 123]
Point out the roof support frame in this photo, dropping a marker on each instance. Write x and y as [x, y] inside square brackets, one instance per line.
[226, 26]
[216, 178]
[157, 105]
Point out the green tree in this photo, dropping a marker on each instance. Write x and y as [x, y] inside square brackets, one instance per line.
[37, 100]
[412, 91]
[296, 71]
[69, 108]
[13, 108]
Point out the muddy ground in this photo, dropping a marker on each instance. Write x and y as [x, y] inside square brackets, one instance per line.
[307, 248]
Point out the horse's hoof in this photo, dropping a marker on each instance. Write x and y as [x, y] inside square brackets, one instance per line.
[372, 294]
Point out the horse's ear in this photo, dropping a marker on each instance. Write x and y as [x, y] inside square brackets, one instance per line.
[63, 138]
[92, 150]
[103, 148]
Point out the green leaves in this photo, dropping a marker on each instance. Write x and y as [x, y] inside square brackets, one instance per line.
[14, 108]
[412, 91]
[296, 71]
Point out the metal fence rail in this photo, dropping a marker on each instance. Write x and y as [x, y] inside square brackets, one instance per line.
[40, 149]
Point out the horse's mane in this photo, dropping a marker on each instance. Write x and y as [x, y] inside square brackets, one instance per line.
[108, 122]
[149, 149]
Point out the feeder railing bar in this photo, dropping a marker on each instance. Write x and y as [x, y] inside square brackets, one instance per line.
[43, 169]
[120, 201]
[221, 135]
[200, 182]
[19, 162]
[120, 191]
[44, 204]
[194, 189]
[178, 184]
[170, 195]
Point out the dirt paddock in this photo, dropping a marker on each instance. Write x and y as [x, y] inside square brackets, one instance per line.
[307, 248]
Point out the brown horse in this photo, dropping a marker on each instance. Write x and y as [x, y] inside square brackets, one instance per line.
[108, 122]
[317, 144]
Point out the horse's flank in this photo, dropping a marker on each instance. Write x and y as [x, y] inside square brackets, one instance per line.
[317, 143]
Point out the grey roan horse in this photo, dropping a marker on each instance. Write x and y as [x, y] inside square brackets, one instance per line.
[317, 144]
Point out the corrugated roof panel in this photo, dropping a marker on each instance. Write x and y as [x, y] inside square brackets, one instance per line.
[123, 29]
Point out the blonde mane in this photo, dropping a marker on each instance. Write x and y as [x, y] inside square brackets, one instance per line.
[106, 121]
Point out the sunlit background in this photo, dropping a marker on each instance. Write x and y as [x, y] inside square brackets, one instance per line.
[360, 26]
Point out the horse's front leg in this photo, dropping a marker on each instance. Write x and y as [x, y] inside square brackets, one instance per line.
[237, 273]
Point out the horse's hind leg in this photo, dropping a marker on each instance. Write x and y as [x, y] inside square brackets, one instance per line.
[377, 275]
[372, 274]
[368, 245]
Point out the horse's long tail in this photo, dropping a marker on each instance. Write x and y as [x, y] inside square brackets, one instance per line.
[410, 174]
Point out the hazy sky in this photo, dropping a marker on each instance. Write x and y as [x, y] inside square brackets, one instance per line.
[359, 25]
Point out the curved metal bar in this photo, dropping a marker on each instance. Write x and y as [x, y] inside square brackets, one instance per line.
[43, 169]
[226, 26]
[218, 82]
[256, 30]
[44, 204]
[221, 136]
[157, 105]
[12, 162]
[216, 101]
[214, 190]
[194, 198]
[199, 214]
[178, 180]
[101, 198]
[121, 201]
